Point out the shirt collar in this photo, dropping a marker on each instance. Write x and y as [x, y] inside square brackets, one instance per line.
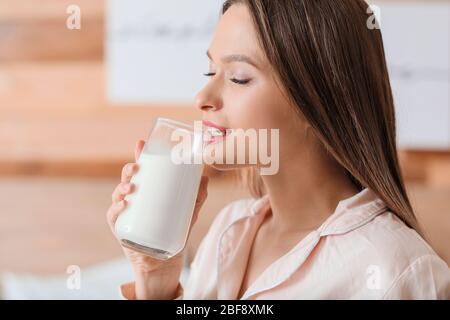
[350, 213]
[353, 212]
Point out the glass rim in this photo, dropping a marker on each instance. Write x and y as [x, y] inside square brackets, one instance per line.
[174, 124]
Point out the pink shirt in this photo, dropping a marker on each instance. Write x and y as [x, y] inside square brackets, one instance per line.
[362, 251]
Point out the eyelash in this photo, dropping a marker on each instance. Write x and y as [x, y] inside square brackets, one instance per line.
[237, 81]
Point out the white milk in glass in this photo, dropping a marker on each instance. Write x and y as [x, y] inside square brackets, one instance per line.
[158, 215]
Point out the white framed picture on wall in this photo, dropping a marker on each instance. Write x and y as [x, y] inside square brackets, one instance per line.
[156, 50]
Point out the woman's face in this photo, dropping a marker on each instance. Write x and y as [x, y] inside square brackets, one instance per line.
[242, 91]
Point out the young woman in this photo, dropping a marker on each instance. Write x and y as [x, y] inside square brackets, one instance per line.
[335, 221]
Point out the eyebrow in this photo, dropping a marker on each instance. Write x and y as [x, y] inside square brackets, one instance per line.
[235, 58]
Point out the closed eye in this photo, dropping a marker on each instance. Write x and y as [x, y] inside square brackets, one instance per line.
[234, 80]
[242, 82]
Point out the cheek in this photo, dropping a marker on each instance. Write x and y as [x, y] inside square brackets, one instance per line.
[257, 107]
[244, 116]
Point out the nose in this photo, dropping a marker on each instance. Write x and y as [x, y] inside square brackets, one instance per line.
[209, 99]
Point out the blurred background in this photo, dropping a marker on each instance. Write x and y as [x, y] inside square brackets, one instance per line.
[74, 101]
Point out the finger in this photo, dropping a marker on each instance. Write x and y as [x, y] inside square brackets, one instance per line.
[138, 149]
[113, 213]
[121, 190]
[127, 171]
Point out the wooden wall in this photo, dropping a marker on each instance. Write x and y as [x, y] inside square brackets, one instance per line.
[54, 116]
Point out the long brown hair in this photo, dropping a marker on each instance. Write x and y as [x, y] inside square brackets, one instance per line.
[333, 68]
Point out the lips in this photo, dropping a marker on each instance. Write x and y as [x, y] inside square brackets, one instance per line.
[214, 132]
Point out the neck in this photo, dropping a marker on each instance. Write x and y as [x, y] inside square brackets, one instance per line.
[305, 191]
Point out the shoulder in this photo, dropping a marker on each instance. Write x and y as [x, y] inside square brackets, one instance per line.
[390, 238]
[232, 212]
[408, 266]
[203, 269]
[427, 277]
[418, 272]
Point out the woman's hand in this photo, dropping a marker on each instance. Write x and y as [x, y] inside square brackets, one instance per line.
[147, 269]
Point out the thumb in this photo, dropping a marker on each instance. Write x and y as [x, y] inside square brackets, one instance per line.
[138, 149]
